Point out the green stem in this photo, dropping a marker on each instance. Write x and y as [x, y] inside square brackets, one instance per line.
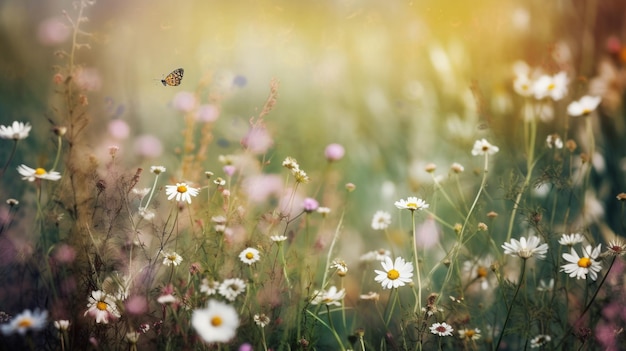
[508, 312]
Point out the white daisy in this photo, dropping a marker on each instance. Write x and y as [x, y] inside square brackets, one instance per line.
[249, 255]
[523, 85]
[543, 286]
[411, 203]
[62, 324]
[526, 248]
[102, 307]
[171, 258]
[395, 274]
[16, 131]
[441, 329]
[330, 297]
[231, 288]
[216, 323]
[31, 174]
[579, 267]
[615, 248]
[278, 238]
[483, 147]
[381, 220]
[25, 321]
[209, 287]
[571, 239]
[469, 334]
[377, 255]
[157, 169]
[584, 106]
[554, 87]
[340, 266]
[181, 191]
[261, 320]
[539, 341]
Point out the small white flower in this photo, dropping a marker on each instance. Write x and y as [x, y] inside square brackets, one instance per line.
[231, 288]
[411, 203]
[340, 266]
[526, 248]
[584, 106]
[571, 239]
[249, 255]
[469, 334]
[579, 267]
[167, 299]
[102, 307]
[554, 87]
[278, 238]
[181, 191]
[16, 131]
[171, 258]
[216, 323]
[261, 320]
[209, 287]
[25, 321]
[457, 168]
[62, 324]
[539, 341]
[615, 248]
[330, 297]
[31, 174]
[381, 220]
[395, 274]
[523, 85]
[441, 329]
[483, 147]
[157, 169]
[554, 141]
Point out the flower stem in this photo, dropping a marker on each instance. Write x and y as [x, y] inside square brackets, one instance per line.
[508, 312]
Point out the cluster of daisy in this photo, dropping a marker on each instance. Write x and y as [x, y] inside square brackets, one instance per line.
[229, 288]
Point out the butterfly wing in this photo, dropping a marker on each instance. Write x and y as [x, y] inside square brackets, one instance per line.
[173, 79]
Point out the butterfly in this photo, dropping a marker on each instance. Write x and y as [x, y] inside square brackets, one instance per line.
[173, 79]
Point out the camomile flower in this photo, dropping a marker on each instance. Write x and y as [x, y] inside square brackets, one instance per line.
[62, 324]
[441, 329]
[381, 220]
[471, 334]
[615, 248]
[571, 239]
[278, 238]
[231, 288]
[171, 258]
[584, 106]
[412, 203]
[157, 169]
[539, 341]
[330, 297]
[376, 255]
[16, 131]
[25, 321]
[209, 287]
[249, 255]
[579, 267]
[526, 248]
[181, 191]
[395, 274]
[102, 307]
[483, 147]
[31, 174]
[218, 322]
[261, 320]
[554, 87]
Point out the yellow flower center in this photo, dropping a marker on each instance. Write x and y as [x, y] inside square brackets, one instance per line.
[481, 272]
[393, 274]
[584, 262]
[470, 333]
[586, 111]
[411, 205]
[171, 258]
[551, 86]
[181, 189]
[25, 323]
[249, 255]
[216, 321]
[40, 171]
[101, 305]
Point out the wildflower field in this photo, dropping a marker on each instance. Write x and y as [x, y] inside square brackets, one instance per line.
[312, 175]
